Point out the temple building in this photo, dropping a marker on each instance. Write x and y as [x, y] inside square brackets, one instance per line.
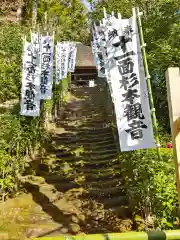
[85, 68]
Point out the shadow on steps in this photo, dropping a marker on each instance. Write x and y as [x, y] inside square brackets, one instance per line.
[82, 164]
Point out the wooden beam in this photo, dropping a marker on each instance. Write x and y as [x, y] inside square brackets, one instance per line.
[86, 80]
[173, 94]
[84, 74]
[86, 67]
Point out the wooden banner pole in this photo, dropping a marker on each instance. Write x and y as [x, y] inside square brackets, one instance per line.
[148, 80]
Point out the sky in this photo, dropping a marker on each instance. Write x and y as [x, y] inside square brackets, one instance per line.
[86, 3]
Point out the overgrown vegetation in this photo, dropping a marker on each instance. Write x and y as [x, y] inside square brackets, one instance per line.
[152, 189]
[20, 137]
[10, 60]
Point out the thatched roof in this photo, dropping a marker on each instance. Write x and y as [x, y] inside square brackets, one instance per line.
[84, 56]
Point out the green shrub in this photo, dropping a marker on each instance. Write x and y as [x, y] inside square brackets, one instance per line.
[10, 60]
[10, 170]
[20, 138]
[151, 186]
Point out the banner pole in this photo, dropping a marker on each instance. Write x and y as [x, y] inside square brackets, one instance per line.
[148, 79]
[34, 14]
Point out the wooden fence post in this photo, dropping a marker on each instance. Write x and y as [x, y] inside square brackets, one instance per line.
[173, 94]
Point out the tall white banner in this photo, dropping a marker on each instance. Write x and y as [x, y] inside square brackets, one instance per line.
[58, 62]
[46, 56]
[128, 81]
[112, 77]
[62, 57]
[93, 47]
[35, 40]
[30, 90]
[98, 54]
[72, 57]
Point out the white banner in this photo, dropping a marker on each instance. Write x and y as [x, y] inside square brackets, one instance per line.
[46, 56]
[35, 40]
[93, 47]
[110, 63]
[72, 57]
[62, 56]
[97, 50]
[58, 62]
[30, 90]
[129, 85]
[64, 59]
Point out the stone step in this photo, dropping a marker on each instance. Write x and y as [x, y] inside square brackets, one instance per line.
[108, 182]
[93, 176]
[102, 152]
[101, 147]
[90, 133]
[96, 159]
[62, 187]
[52, 178]
[86, 93]
[94, 126]
[101, 126]
[84, 141]
[97, 138]
[96, 109]
[60, 153]
[85, 136]
[85, 122]
[4, 235]
[123, 211]
[89, 177]
[116, 201]
[36, 230]
[98, 177]
[83, 164]
[95, 131]
[59, 178]
[88, 123]
[103, 193]
[101, 135]
[100, 170]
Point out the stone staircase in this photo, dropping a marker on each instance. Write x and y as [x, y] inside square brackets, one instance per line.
[78, 187]
[86, 153]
